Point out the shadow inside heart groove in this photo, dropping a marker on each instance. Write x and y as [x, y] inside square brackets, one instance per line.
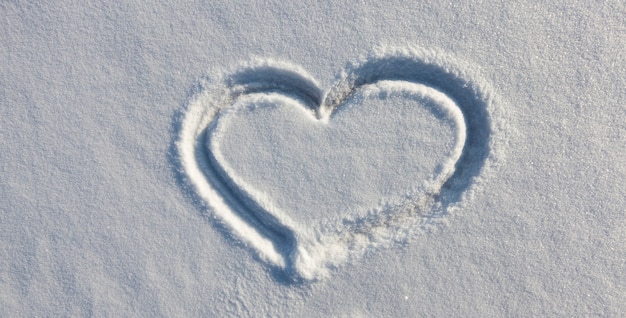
[298, 253]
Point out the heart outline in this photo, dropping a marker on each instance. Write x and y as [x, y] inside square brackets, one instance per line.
[278, 246]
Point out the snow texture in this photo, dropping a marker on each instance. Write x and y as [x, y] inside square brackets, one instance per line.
[188, 159]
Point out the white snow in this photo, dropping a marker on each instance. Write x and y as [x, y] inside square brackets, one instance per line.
[111, 204]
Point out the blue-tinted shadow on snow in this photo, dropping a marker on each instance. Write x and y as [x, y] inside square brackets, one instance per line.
[469, 97]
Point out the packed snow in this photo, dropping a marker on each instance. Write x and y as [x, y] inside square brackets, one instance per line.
[327, 159]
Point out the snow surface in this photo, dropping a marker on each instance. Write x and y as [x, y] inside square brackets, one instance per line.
[101, 112]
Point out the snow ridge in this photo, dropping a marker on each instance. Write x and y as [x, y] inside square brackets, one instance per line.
[305, 253]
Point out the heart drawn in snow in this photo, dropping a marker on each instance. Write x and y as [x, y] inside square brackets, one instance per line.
[310, 180]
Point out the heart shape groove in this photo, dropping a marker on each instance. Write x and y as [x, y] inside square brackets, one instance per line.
[310, 180]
